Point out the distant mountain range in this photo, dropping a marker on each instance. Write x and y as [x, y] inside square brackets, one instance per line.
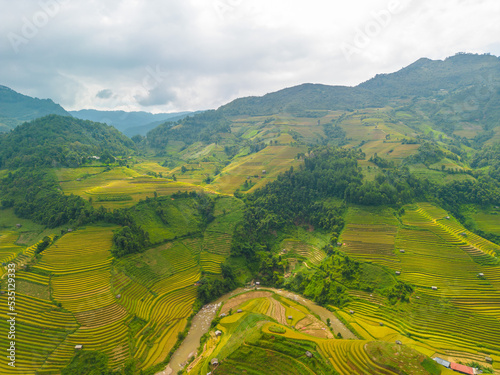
[130, 123]
[16, 108]
[467, 84]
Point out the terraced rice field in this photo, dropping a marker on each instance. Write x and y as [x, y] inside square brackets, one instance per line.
[8, 248]
[98, 302]
[312, 253]
[437, 252]
[119, 187]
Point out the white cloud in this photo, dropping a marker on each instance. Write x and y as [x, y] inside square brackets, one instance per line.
[198, 54]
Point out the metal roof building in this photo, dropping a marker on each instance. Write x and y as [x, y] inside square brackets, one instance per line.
[442, 362]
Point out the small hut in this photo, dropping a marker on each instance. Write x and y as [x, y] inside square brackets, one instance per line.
[309, 354]
[78, 347]
[214, 362]
[218, 333]
[434, 287]
[447, 218]
[19, 225]
[398, 273]
[263, 171]
[381, 324]
[118, 296]
[257, 283]
[480, 274]
[239, 311]
[401, 251]
[290, 317]
[488, 359]
[70, 230]
[222, 315]
[399, 342]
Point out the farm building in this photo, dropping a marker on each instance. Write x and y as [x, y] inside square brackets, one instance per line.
[442, 362]
[488, 359]
[118, 296]
[257, 283]
[351, 312]
[70, 230]
[398, 273]
[222, 315]
[78, 347]
[214, 362]
[480, 274]
[462, 368]
[309, 354]
[239, 311]
[290, 317]
[463, 234]
[434, 287]
[399, 342]
[381, 324]
[447, 218]
[401, 251]
[218, 333]
[19, 225]
[263, 171]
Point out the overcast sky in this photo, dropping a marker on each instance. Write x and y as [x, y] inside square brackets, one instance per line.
[176, 55]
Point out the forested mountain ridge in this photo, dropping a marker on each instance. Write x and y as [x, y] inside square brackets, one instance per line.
[453, 96]
[15, 108]
[60, 141]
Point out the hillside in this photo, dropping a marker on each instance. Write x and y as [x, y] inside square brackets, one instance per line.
[60, 141]
[17, 108]
[301, 98]
[319, 229]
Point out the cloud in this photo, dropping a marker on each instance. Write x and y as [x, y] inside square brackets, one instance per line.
[157, 96]
[104, 94]
[197, 54]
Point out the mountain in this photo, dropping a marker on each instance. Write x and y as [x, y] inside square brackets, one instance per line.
[307, 96]
[456, 96]
[16, 108]
[56, 140]
[427, 77]
[129, 123]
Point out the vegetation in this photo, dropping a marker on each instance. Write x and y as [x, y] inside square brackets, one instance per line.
[386, 216]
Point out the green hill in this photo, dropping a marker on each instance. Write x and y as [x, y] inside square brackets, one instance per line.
[17, 108]
[60, 141]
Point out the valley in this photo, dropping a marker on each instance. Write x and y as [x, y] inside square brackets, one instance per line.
[357, 224]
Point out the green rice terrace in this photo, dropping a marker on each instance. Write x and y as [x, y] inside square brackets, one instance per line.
[315, 230]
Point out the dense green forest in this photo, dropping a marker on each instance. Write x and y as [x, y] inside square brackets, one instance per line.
[53, 141]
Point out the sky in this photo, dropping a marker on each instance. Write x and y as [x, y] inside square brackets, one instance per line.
[180, 55]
